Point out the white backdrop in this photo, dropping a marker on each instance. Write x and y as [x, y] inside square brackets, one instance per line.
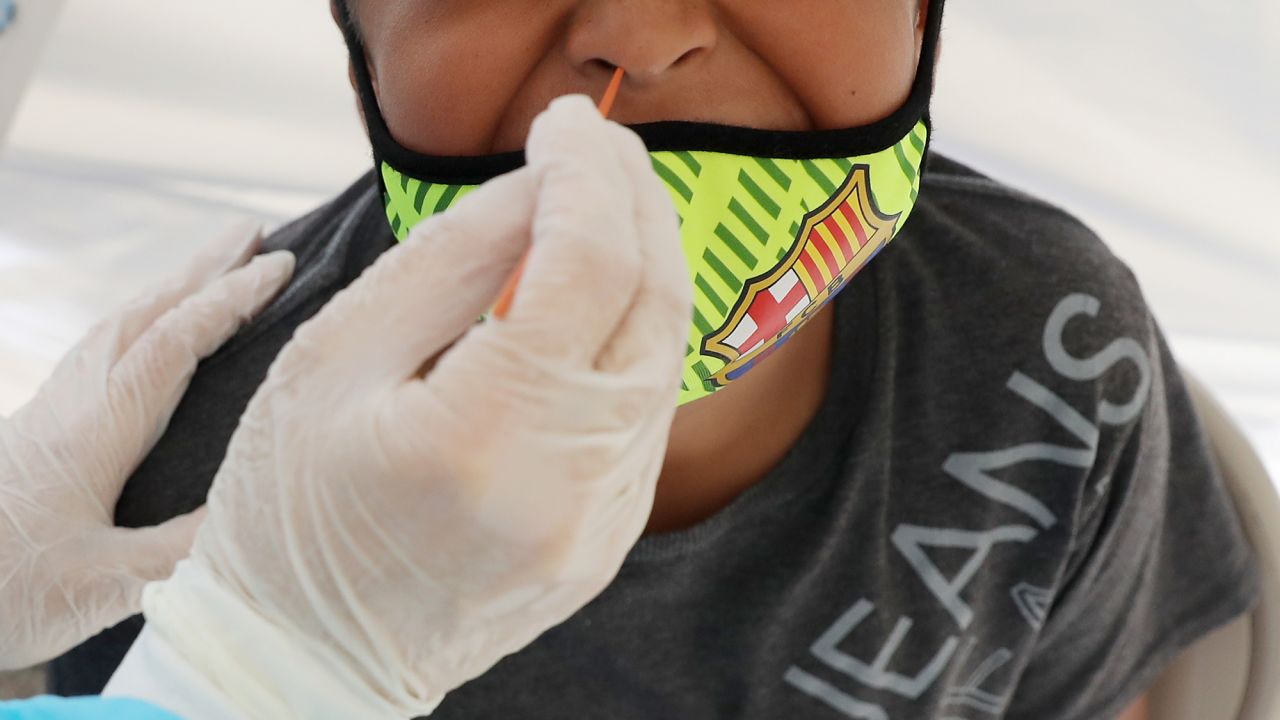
[152, 123]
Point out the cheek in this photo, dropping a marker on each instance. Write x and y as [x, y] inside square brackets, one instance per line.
[443, 91]
[850, 62]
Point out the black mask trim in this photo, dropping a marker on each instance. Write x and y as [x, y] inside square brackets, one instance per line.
[658, 136]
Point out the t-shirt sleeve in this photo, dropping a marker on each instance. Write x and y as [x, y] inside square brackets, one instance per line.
[1158, 560]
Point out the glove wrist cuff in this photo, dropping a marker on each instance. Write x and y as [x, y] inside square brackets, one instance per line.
[265, 669]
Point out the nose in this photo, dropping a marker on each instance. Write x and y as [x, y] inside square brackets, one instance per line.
[646, 38]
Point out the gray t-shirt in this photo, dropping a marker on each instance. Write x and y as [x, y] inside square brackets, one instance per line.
[1005, 507]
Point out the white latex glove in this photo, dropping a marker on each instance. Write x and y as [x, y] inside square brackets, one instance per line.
[66, 572]
[376, 539]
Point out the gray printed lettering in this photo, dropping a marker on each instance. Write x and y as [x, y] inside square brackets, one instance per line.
[919, 545]
[1033, 602]
[973, 469]
[1052, 403]
[1104, 484]
[1088, 369]
[876, 674]
[911, 540]
[844, 703]
[971, 692]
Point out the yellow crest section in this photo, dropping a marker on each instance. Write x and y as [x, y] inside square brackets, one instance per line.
[835, 241]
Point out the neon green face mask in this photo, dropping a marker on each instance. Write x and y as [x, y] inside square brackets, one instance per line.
[774, 223]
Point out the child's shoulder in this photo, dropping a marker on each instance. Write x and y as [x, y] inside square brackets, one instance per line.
[998, 218]
[977, 243]
[311, 237]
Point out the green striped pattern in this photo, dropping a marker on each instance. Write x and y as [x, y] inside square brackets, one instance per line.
[908, 154]
[409, 201]
[739, 217]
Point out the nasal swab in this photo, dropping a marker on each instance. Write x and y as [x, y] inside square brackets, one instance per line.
[611, 92]
[508, 294]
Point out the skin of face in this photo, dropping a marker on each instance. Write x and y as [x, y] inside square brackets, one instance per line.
[467, 77]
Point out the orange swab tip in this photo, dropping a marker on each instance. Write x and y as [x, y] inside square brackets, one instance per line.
[507, 297]
[611, 93]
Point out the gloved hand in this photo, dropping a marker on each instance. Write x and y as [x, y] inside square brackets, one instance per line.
[65, 571]
[376, 538]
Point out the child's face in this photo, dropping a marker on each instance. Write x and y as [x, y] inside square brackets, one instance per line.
[467, 77]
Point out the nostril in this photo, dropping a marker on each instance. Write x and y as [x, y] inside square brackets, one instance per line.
[601, 63]
[688, 55]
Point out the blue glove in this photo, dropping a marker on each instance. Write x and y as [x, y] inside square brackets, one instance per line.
[86, 708]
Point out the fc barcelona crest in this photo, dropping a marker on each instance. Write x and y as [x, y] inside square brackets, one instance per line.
[834, 242]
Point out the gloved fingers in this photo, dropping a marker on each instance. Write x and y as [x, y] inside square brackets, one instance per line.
[152, 552]
[635, 375]
[584, 265]
[421, 296]
[153, 374]
[111, 337]
[489, 409]
[229, 251]
[618, 521]
[653, 333]
[119, 562]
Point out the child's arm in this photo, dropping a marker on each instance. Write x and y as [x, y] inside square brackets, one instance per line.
[1158, 556]
[1137, 711]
